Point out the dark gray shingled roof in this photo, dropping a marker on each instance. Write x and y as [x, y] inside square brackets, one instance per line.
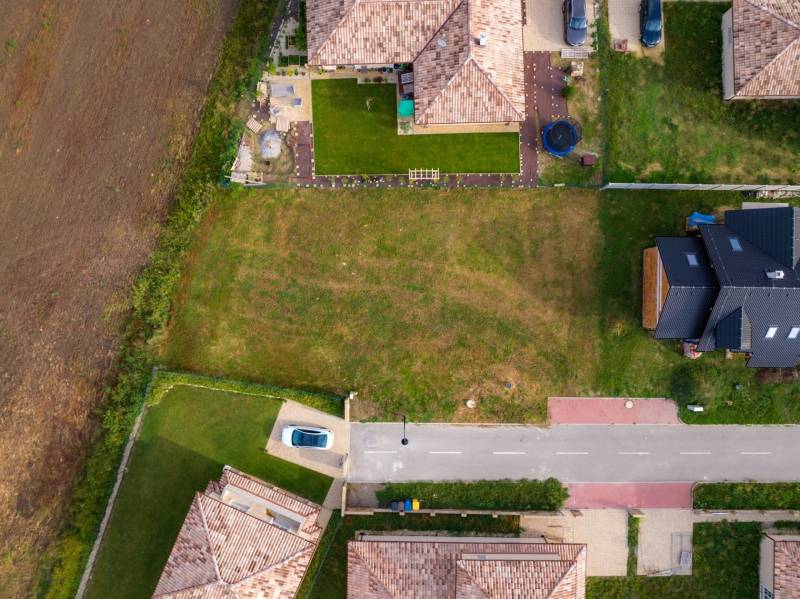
[692, 289]
[747, 302]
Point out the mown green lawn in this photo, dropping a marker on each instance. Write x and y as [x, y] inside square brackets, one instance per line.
[350, 139]
[185, 441]
[668, 123]
[725, 566]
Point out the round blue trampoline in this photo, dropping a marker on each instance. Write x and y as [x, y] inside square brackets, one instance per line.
[560, 137]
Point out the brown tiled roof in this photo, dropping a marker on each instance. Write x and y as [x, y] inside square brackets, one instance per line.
[224, 552]
[457, 80]
[398, 569]
[372, 31]
[787, 569]
[766, 48]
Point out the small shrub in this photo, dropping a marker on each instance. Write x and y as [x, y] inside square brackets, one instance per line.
[569, 91]
[378, 79]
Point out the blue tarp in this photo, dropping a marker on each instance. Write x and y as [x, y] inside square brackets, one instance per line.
[698, 218]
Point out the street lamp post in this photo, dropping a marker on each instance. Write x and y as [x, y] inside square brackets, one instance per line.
[404, 440]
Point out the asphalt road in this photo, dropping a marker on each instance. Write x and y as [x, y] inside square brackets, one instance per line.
[574, 453]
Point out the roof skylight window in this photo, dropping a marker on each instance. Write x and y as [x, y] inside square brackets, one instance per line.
[793, 333]
[692, 260]
[771, 331]
[736, 245]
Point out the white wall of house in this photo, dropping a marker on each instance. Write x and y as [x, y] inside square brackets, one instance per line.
[766, 566]
[727, 55]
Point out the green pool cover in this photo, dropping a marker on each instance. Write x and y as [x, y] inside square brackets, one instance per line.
[406, 108]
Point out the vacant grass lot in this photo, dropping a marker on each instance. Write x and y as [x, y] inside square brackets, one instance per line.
[350, 139]
[668, 122]
[725, 566]
[185, 441]
[419, 300]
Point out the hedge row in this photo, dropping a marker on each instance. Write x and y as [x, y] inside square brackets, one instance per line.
[747, 496]
[515, 495]
[65, 558]
[164, 380]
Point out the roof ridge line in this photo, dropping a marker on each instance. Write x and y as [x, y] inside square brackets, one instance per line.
[335, 27]
[771, 62]
[370, 570]
[769, 12]
[573, 566]
[197, 496]
[502, 93]
[270, 567]
[438, 29]
[457, 70]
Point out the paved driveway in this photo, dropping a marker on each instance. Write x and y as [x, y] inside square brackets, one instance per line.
[574, 453]
[623, 21]
[605, 532]
[327, 462]
[544, 26]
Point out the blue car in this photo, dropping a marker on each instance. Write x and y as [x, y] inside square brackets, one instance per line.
[651, 22]
[575, 24]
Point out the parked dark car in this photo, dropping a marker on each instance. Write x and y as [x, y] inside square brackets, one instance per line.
[651, 22]
[575, 24]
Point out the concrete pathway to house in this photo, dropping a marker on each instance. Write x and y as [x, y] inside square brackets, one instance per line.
[604, 531]
[574, 453]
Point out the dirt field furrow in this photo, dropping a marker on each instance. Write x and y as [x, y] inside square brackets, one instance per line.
[98, 103]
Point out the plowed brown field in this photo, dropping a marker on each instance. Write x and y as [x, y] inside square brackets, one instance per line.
[98, 104]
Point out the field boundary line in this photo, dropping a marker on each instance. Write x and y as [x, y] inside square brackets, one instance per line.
[123, 467]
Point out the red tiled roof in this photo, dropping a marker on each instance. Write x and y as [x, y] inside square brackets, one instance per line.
[457, 79]
[399, 569]
[766, 48]
[787, 569]
[224, 552]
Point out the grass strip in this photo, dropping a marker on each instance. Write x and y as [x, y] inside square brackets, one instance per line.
[164, 381]
[323, 549]
[214, 144]
[544, 495]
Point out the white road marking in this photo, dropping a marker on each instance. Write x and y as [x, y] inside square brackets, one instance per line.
[572, 453]
[376, 451]
[445, 452]
[695, 453]
[508, 452]
[755, 452]
[633, 453]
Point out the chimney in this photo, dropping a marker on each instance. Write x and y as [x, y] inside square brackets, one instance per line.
[775, 274]
[482, 38]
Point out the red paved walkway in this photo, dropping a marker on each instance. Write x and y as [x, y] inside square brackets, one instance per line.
[629, 495]
[602, 410]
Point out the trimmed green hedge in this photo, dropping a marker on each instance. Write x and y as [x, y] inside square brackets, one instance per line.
[747, 496]
[544, 495]
[65, 558]
[163, 381]
[323, 548]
